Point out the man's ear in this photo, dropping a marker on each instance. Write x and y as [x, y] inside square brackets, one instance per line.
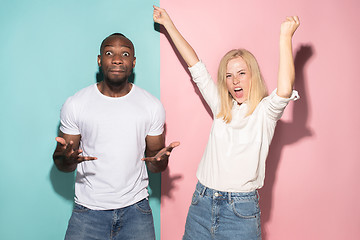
[99, 60]
[134, 62]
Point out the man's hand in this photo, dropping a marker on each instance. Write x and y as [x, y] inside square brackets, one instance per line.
[67, 153]
[159, 161]
[70, 155]
[163, 154]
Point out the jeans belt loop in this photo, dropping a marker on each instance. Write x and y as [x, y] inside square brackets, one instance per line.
[229, 197]
[258, 195]
[203, 191]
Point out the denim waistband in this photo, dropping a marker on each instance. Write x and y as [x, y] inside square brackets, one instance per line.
[205, 191]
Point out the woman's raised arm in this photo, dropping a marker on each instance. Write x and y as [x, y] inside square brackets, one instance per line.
[286, 75]
[186, 51]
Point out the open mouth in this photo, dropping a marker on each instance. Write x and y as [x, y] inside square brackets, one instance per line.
[238, 92]
[238, 89]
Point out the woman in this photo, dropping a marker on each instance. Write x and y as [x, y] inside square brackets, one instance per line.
[232, 169]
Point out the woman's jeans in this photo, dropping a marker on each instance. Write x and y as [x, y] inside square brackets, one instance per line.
[133, 222]
[223, 215]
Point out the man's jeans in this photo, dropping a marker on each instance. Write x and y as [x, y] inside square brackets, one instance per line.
[132, 222]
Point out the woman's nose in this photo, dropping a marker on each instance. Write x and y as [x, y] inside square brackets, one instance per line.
[236, 80]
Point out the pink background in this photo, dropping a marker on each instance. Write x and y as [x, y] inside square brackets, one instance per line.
[312, 183]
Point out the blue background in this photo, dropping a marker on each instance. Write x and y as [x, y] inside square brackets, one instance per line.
[48, 52]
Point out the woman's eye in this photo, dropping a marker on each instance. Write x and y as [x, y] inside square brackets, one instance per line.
[228, 76]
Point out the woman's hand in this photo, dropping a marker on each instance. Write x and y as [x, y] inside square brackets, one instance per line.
[289, 26]
[160, 16]
[186, 51]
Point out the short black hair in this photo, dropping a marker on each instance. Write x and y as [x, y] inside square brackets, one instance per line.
[114, 34]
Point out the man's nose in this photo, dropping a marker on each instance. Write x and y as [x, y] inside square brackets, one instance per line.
[117, 59]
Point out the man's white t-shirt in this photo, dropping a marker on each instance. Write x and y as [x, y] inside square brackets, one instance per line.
[114, 131]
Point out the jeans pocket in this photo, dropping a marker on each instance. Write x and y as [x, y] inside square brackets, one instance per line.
[80, 209]
[195, 198]
[246, 208]
[143, 206]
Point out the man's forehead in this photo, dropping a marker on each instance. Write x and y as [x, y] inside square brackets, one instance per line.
[118, 40]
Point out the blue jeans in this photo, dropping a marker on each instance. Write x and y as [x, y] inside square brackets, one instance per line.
[132, 222]
[223, 215]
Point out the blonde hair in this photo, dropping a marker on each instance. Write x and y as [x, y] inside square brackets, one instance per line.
[257, 89]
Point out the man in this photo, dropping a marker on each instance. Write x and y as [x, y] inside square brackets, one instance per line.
[105, 130]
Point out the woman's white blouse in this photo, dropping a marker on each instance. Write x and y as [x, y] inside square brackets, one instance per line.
[235, 155]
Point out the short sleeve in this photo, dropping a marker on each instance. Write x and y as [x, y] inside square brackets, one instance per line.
[275, 105]
[68, 123]
[158, 120]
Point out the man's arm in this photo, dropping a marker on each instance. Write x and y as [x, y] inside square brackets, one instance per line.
[66, 155]
[157, 155]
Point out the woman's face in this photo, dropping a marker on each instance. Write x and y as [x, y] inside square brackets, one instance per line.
[238, 79]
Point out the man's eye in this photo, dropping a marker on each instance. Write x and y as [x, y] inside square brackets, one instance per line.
[108, 53]
[126, 54]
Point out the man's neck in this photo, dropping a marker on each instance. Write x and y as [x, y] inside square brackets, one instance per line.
[112, 90]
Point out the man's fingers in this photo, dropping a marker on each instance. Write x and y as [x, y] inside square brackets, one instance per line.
[162, 154]
[75, 153]
[86, 158]
[69, 147]
[172, 145]
[148, 159]
[155, 158]
[60, 140]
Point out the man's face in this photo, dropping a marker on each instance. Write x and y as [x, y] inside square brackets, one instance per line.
[117, 59]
